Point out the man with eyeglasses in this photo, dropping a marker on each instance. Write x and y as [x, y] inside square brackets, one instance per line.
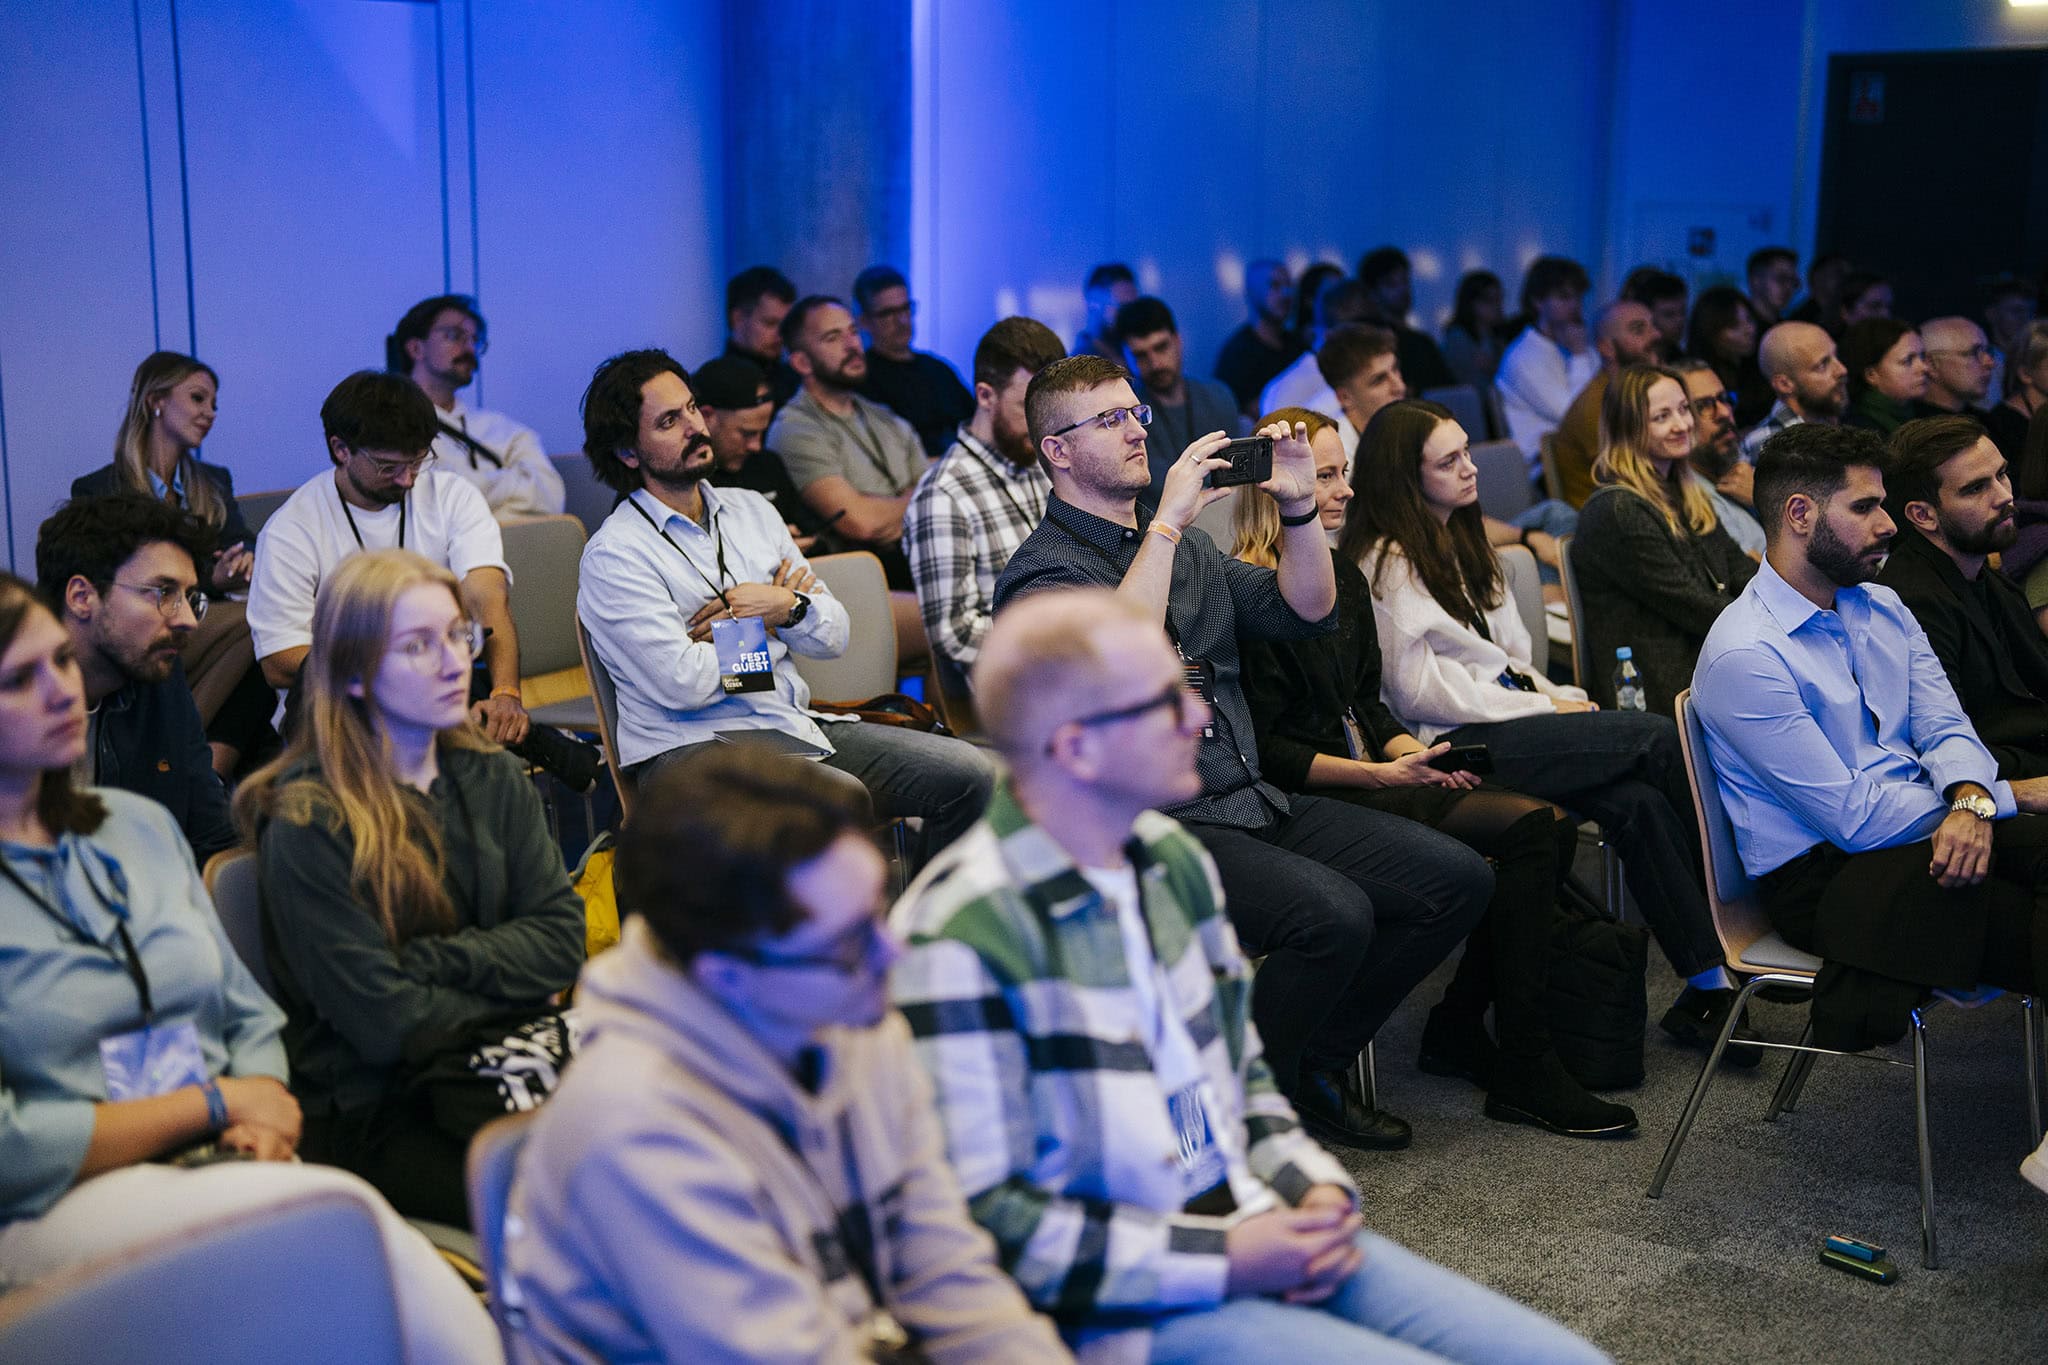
[917, 386]
[383, 491]
[1084, 1011]
[120, 572]
[1350, 907]
[1960, 365]
[437, 344]
[1811, 383]
[1717, 456]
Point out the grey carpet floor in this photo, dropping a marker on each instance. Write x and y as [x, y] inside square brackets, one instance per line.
[1724, 1267]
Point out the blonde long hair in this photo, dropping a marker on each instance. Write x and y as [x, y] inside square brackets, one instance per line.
[338, 769]
[154, 378]
[1624, 453]
[1255, 518]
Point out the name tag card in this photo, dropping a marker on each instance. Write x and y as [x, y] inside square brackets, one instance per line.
[152, 1061]
[743, 663]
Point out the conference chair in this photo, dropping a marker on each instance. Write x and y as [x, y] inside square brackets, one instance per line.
[1553, 482]
[605, 693]
[1465, 405]
[545, 555]
[1575, 606]
[587, 500]
[1504, 491]
[493, 1156]
[868, 667]
[1756, 949]
[304, 1280]
[257, 508]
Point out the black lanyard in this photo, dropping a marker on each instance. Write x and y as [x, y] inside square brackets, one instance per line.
[475, 446]
[128, 957]
[356, 531]
[718, 531]
[1002, 484]
[865, 439]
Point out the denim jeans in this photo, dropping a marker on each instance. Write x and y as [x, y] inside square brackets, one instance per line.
[1399, 1307]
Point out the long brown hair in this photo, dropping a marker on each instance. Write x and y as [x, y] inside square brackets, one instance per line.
[1452, 559]
[1255, 517]
[338, 769]
[154, 378]
[1625, 452]
[62, 808]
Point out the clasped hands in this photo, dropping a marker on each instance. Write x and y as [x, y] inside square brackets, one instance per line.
[771, 601]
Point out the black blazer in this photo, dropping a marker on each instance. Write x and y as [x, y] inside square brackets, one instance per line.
[1655, 592]
[1988, 645]
[234, 531]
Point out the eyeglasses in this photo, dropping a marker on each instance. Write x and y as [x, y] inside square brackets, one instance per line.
[1175, 696]
[392, 469]
[166, 598]
[1109, 419]
[422, 651]
[1978, 352]
[849, 953]
[462, 336]
[901, 310]
[1723, 399]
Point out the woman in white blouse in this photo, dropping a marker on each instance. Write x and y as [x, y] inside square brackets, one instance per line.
[1456, 666]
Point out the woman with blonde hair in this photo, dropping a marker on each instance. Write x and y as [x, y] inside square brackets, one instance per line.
[171, 407]
[1654, 565]
[1322, 729]
[411, 892]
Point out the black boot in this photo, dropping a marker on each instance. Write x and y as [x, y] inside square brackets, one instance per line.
[1332, 1107]
[1456, 1043]
[1696, 1017]
[1539, 1091]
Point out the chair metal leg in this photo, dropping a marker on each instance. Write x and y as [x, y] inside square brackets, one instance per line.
[2030, 1022]
[1699, 1090]
[1786, 1097]
[1368, 1076]
[1929, 1255]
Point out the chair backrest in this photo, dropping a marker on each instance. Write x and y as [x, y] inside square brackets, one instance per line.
[232, 881]
[1574, 604]
[587, 500]
[607, 694]
[1463, 401]
[1525, 582]
[1215, 519]
[1504, 490]
[545, 555]
[868, 667]
[493, 1156]
[1739, 918]
[258, 507]
[304, 1279]
[1546, 459]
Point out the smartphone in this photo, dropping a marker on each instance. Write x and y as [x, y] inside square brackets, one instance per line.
[1879, 1271]
[1464, 758]
[1851, 1246]
[1251, 461]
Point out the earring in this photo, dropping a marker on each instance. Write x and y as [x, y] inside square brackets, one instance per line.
[156, 412]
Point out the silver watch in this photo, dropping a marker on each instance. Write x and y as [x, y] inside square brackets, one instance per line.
[1983, 807]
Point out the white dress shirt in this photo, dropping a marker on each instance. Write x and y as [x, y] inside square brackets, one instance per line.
[1537, 381]
[526, 484]
[638, 591]
[442, 517]
[1300, 385]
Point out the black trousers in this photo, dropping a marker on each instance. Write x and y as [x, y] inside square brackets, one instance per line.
[398, 1148]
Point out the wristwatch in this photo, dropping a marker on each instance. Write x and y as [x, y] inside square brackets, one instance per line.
[799, 611]
[1983, 807]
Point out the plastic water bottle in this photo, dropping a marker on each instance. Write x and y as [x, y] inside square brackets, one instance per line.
[1628, 684]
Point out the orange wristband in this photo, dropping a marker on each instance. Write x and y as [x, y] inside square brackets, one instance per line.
[498, 692]
[1170, 532]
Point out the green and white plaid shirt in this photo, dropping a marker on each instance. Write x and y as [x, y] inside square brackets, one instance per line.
[1016, 988]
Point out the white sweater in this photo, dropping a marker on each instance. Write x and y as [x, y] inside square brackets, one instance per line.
[1436, 672]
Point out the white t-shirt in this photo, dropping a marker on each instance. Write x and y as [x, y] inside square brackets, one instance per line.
[443, 518]
[526, 485]
[1301, 385]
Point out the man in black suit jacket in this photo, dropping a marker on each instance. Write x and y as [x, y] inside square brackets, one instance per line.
[1948, 489]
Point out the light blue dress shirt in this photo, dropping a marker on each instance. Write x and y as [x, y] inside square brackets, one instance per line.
[637, 593]
[163, 490]
[1831, 727]
[60, 994]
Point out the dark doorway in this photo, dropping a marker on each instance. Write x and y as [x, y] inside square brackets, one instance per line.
[1934, 171]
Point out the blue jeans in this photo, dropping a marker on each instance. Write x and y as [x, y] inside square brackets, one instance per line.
[1398, 1307]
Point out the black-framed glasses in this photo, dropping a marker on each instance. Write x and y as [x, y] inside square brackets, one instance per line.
[1978, 352]
[1175, 696]
[851, 951]
[165, 598]
[1109, 419]
[1724, 399]
[462, 336]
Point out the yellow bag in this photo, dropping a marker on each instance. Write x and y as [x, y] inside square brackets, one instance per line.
[593, 882]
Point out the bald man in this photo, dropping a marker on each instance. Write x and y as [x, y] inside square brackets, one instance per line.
[1811, 383]
[1084, 1011]
[1960, 364]
[1626, 334]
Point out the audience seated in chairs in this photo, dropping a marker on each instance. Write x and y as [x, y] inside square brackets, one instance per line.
[2026, 392]
[134, 1044]
[1388, 279]
[917, 386]
[1716, 456]
[1350, 908]
[1322, 729]
[737, 405]
[1082, 1006]
[1653, 565]
[1338, 302]
[1107, 289]
[1456, 666]
[1625, 334]
[744, 1162]
[1547, 364]
[1359, 363]
[974, 507]
[170, 411]
[437, 345]
[694, 596]
[1961, 367]
[756, 301]
[1183, 407]
[1871, 816]
[120, 570]
[1723, 332]
[1667, 296]
[1472, 343]
[411, 894]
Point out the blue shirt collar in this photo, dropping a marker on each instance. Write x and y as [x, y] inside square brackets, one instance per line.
[1791, 608]
[666, 516]
[161, 490]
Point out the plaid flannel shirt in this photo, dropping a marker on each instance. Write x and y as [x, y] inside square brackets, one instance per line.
[1776, 420]
[1015, 985]
[969, 514]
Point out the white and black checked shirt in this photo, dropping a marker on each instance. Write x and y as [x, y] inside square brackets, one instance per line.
[969, 514]
[1776, 420]
[1213, 600]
